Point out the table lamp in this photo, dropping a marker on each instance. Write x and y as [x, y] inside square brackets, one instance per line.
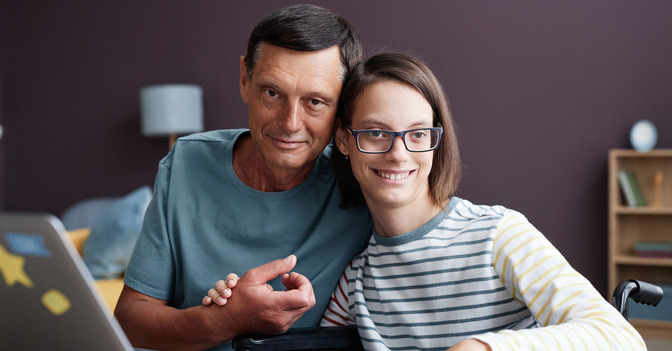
[171, 109]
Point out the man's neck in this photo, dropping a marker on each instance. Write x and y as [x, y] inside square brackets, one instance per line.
[255, 172]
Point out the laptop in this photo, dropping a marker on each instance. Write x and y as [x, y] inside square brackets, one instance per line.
[48, 299]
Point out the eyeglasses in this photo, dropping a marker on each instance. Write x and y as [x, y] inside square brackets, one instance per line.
[374, 141]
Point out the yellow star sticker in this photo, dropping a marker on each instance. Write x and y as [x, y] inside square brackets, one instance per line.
[11, 267]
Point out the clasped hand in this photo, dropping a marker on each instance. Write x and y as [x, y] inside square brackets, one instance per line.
[256, 307]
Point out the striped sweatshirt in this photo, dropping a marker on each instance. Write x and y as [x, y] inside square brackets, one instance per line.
[480, 272]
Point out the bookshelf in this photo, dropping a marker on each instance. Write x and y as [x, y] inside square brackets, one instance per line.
[649, 223]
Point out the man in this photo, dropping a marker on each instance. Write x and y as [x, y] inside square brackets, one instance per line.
[231, 200]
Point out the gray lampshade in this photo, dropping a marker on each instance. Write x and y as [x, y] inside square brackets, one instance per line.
[169, 109]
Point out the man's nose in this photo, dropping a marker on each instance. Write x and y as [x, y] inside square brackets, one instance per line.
[291, 118]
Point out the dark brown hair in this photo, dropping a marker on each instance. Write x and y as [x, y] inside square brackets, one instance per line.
[305, 28]
[446, 171]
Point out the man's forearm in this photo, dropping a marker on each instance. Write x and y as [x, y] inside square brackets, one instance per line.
[155, 326]
[253, 307]
[170, 328]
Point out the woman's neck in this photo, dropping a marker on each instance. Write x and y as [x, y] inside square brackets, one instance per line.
[396, 221]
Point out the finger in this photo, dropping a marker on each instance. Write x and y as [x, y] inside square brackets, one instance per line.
[219, 301]
[295, 280]
[216, 297]
[299, 282]
[264, 273]
[222, 289]
[286, 281]
[207, 300]
[300, 294]
[231, 280]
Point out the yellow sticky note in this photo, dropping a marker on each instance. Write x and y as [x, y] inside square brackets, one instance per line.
[56, 302]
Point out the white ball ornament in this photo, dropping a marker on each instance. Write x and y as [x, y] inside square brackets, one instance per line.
[643, 135]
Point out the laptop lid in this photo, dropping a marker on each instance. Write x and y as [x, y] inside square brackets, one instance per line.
[48, 299]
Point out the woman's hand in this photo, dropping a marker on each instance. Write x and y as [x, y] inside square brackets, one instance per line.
[470, 345]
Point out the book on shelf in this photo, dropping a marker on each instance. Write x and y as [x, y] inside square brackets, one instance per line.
[631, 189]
[653, 249]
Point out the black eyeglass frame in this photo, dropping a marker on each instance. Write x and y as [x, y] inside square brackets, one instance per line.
[402, 134]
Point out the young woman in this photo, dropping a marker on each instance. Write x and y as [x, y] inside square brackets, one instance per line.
[440, 272]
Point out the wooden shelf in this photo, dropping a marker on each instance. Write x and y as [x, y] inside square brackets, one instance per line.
[631, 225]
[662, 211]
[643, 261]
[652, 328]
[629, 153]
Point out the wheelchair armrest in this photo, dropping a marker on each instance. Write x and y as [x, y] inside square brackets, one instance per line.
[317, 338]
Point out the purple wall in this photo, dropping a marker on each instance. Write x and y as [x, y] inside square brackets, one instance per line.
[540, 91]
[3, 20]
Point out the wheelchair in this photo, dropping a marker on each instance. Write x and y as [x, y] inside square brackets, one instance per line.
[347, 338]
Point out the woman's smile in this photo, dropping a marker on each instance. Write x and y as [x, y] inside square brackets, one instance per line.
[393, 175]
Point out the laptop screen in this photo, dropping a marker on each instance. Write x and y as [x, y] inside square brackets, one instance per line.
[48, 299]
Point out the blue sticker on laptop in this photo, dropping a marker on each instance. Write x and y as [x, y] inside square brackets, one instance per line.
[27, 244]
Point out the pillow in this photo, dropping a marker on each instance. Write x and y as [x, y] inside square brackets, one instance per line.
[85, 213]
[78, 238]
[108, 249]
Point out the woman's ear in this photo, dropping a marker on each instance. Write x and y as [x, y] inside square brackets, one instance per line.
[340, 139]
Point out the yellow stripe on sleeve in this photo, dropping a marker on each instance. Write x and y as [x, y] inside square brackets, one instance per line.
[543, 288]
[532, 267]
[559, 305]
[511, 337]
[540, 337]
[550, 332]
[499, 252]
[501, 230]
[630, 329]
[524, 258]
[547, 272]
[578, 333]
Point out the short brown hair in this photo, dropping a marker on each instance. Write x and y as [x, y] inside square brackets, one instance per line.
[446, 171]
[305, 27]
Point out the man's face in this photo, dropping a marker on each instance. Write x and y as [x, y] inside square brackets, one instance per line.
[292, 98]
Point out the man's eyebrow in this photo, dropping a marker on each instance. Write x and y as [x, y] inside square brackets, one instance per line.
[267, 83]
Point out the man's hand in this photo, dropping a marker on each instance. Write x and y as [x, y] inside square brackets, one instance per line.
[253, 308]
[256, 308]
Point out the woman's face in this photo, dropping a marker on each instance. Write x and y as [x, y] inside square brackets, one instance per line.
[397, 178]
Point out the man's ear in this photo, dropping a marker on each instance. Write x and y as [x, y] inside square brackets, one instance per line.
[244, 81]
[340, 138]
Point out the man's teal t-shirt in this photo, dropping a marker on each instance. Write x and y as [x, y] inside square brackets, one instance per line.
[204, 222]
